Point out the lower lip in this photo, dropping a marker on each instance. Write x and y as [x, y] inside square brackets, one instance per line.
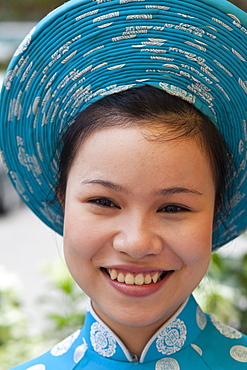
[138, 290]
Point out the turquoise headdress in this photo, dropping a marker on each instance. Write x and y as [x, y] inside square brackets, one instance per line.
[87, 49]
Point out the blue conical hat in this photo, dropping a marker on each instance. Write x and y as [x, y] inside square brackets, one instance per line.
[87, 49]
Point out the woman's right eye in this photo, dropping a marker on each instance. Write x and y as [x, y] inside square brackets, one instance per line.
[103, 202]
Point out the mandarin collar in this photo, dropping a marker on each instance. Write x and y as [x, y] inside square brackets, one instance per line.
[177, 333]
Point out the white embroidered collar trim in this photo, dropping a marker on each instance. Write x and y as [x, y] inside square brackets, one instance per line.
[151, 340]
[126, 352]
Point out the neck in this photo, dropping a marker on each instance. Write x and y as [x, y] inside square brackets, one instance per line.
[135, 338]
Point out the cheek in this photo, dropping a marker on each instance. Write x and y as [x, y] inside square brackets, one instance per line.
[77, 252]
[194, 251]
[194, 244]
[76, 241]
[74, 236]
[83, 237]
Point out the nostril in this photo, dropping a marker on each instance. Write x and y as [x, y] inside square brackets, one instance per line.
[138, 245]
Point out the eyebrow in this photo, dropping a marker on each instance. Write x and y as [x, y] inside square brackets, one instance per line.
[177, 190]
[121, 189]
[106, 184]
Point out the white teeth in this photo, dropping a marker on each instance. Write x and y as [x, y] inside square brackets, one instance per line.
[131, 279]
[148, 279]
[139, 279]
[113, 274]
[155, 277]
[120, 278]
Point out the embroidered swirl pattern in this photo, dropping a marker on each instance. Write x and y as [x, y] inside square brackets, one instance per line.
[102, 341]
[167, 364]
[65, 345]
[226, 330]
[172, 338]
[201, 318]
[239, 353]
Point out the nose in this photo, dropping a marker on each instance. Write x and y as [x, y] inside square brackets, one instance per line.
[138, 238]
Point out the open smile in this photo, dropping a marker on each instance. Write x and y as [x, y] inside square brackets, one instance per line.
[137, 284]
[140, 279]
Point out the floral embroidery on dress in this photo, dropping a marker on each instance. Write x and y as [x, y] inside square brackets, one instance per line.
[102, 341]
[197, 349]
[80, 351]
[172, 338]
[65, 345]
[167, 364]
[201, 318]
[225, 330]
[239, 353]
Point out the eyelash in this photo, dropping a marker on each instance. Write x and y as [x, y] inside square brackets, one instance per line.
[103, 202]
[108, 203]
[173, 208]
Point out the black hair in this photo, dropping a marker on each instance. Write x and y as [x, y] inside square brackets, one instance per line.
[156, 109]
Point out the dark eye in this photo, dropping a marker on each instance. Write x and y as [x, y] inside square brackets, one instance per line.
[103, 202]
[172, 208]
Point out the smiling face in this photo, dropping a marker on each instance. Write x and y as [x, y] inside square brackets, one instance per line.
[138, 224]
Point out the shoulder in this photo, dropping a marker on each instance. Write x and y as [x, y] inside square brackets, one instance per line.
[63, 356]
[221, 346]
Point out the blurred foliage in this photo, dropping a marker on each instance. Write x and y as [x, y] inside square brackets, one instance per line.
[223, 291]
[10, 312]
[66, 296]
[30, 10]
[15, 343]
[66, 312]
[26, 10]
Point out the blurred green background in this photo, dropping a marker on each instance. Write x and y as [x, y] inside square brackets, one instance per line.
[26, 10]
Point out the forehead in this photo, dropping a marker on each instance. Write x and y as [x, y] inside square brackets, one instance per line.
[133, 155]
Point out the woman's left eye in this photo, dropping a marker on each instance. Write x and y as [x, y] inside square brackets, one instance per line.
[103, 202]
[172, 208]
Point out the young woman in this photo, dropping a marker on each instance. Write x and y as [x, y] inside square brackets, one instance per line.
[126, 132]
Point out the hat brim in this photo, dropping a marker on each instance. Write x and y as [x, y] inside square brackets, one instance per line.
[85, 50]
